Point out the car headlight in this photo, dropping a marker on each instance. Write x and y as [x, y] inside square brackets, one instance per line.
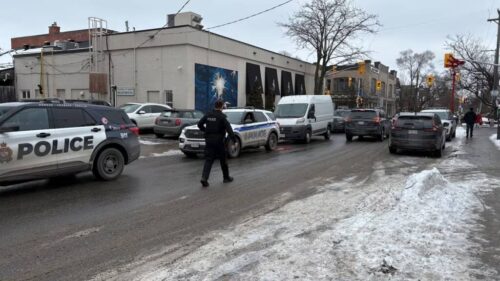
[300, 121]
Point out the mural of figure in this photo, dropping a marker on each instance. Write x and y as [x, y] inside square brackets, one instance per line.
[212, 84]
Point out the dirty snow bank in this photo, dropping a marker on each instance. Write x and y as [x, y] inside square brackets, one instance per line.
[379, 228]
[494, 140]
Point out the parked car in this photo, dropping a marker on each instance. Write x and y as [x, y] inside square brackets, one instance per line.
[252, 127]
[303, 116]
[339, 119]
[172, 123]
[367, 122]
[42, 140]
[419, 132]
[448, 119]
[144, 114]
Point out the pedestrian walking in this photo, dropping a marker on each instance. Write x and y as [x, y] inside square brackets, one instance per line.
[215, 126]
[479, 120]
[470, 119]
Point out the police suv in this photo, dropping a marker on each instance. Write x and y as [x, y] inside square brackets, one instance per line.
[252, 128]
[42, 140]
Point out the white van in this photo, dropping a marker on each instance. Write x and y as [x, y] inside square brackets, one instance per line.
[301, 117]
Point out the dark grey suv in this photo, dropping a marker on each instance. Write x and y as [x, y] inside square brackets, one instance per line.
[419, 132]
[367, 122]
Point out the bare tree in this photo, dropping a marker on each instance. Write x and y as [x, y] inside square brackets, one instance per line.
[329, 28]
[414, 66]
[477, 72]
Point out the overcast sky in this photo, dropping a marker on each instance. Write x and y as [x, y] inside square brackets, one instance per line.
[419, 25]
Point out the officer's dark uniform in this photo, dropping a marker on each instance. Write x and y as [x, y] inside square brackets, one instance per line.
[215, 126]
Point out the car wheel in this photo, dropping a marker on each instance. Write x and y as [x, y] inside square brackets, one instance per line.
[328, 133]
[448, 138]
[190, 154]
[109, 164]
[307, 137]
[272, 142]
[393, 150]
[234, 148]
[159, 135]
[439, 153]
[348, 137]
[381, 136]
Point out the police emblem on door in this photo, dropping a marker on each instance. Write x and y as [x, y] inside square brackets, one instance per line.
[5, 153]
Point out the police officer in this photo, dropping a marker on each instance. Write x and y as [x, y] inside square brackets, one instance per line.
[215, 126]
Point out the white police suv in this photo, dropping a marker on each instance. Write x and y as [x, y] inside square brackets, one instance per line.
[42, 140]
[252, 128]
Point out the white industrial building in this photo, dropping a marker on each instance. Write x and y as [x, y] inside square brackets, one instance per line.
[182, 65]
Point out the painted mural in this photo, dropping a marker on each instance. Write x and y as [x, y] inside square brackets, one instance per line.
[213, 83]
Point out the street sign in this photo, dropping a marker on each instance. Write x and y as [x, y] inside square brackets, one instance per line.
[125, 91]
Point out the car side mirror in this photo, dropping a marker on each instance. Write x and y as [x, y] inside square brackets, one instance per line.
[9, 129]
[141, 112]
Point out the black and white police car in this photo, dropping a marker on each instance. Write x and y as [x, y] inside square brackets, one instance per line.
[252, 128]
[45, 139]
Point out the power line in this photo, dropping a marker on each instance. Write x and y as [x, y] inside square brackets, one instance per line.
[251, 16]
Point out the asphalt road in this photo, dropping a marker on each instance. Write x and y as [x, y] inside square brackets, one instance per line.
[79, 227]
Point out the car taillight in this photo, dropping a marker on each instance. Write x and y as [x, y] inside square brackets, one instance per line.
[433, 129]
[134, 130]
[178, 122]
[376, 120]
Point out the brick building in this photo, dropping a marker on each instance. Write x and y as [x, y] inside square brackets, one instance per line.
[345, 83]
[55, 34]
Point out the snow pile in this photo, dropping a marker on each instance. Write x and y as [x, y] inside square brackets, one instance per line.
[378, 228]
[494, 140]
[460, 133]
[148, 142]
[172, 152]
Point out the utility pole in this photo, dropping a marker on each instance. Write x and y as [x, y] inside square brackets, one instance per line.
[495, 72]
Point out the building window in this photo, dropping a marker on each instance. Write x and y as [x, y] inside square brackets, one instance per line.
[391, 93]
[26, 94]
[384, 93]
[340, 84]
[169, 98]
[373, 85]
[61, 93]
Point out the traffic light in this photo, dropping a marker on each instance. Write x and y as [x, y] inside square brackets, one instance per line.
[359, 102]
[349, 82]
[457, 77]
[379, 85]
[430, 80]
[361, 68]
[448, 60]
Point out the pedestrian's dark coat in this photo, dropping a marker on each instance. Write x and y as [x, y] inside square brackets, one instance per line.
[215, 126]
[470, 117]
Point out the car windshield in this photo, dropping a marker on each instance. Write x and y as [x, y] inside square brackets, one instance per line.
[5, 109]
[415, 122]
[292, 110]
[342, 113]
[363, 114]
[169, 114]
[129, 108]
[442, 114]
[234, 117]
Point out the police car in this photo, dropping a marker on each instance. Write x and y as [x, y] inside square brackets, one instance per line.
[45, 139]
[252, 128]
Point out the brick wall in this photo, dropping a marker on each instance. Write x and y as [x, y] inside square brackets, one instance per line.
[38, 40]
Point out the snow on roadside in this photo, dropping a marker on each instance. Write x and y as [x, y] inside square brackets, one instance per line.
[172, 152]
[378, 228]
[460, 132]
[148, 142]
[494, 140]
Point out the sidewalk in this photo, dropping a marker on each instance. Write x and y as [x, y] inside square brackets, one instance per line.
[482, 152]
